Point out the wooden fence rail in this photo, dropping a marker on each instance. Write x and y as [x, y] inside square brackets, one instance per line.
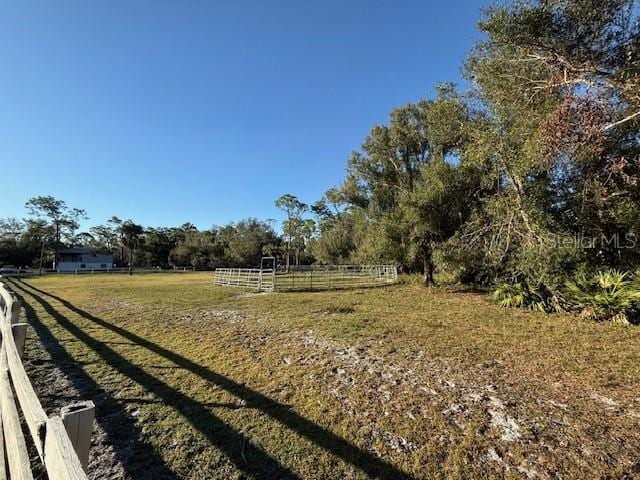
[62, 442]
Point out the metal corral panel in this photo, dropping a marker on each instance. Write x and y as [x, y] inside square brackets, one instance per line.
[325, 277]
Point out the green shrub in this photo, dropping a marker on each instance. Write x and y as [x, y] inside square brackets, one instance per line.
[522, 295]
[606, 295]
[410, 279]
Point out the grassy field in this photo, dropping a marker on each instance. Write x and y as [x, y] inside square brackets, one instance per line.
[202, 382]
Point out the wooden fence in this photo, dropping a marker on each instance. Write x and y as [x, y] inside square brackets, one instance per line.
[62, 441]
[322, 277]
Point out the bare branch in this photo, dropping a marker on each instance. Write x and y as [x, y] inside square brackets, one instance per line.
[619, 122]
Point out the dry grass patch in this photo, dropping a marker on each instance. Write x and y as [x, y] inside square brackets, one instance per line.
[394, 382]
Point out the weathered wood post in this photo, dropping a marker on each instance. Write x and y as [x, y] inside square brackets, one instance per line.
[78, 421]
[15, 310]
[19, 331]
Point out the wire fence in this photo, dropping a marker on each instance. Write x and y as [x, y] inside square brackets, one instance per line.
[89, 271]
[323, 277]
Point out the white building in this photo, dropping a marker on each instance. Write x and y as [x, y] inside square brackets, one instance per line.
[72, 259]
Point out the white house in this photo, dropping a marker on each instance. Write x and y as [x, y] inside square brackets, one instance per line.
[72, 259]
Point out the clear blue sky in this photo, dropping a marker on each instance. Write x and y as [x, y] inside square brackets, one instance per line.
[206, 111]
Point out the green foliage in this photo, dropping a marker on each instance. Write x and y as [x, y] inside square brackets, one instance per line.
[337, 241]
[62, 220]
[158, 243]
[606, 295]
[522, 295]
[410, 279]
[240, 244]
[131, 238]
[21, 243]
[406, 191]
[197, 249]
[498, 183]
[245, 242]
[297, 230]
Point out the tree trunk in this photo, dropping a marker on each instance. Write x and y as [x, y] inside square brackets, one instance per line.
[56, 255]
[121, 258]
[41, 258]
[130, 260]
[427, 259]
[288, 253]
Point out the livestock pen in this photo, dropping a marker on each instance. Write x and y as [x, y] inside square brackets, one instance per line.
[307, 277]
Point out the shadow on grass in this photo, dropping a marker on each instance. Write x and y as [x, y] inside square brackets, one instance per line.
[135, 455]
[247, 457]
[356, 456]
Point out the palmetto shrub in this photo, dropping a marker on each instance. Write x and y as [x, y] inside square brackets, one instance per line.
[522, 295]
[606, 295]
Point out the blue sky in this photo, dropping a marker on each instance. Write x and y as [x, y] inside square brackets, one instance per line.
[206, 111]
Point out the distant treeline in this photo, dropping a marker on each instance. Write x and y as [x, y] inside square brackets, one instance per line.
[22, 243]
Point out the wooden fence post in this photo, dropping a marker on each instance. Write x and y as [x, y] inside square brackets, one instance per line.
[15, 310]
[19, 331]
[78, 421]
[60, 458]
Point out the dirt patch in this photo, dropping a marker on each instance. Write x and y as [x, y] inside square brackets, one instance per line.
[337, 310]
[517, 435]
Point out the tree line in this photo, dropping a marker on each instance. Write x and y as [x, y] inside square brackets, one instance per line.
[52, 225]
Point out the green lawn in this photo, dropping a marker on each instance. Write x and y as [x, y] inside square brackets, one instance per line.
[202, 382]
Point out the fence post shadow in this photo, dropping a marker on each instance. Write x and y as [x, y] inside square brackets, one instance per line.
[138, 457]
[361, 459]
[246, 456]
